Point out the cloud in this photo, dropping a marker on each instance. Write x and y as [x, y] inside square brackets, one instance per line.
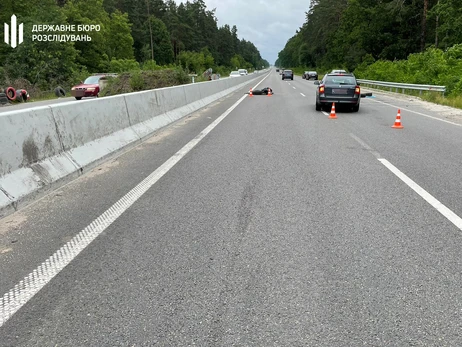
[267, 24]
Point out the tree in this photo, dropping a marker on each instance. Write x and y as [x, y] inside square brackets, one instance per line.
[162, 46]
[40, 62]
[93, 54]
[119, 39]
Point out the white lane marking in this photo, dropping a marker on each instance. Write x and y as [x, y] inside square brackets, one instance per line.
[22, 292]
[365, 145]
[294, 87]
[302, 94]
[325, 113]
[446, 212]
[451, 216]
[419, 113]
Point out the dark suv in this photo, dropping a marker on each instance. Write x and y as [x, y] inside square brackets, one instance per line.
[341, 88]
[287, 74]
[310, 75]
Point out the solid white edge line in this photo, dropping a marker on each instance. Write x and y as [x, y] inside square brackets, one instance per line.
[25, 290]
[419, 113]
[451, 216]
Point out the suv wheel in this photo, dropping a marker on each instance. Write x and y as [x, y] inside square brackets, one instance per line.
[356, 108]
[318, 107]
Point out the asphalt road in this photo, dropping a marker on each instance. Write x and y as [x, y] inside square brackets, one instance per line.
[280, 227]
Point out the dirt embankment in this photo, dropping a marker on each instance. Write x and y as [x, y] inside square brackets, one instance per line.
[144, 80]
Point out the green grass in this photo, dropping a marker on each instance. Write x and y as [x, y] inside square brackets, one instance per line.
[453, 101]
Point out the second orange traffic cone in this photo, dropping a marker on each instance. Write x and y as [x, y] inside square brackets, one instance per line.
[332, 112]
[250, 94]
[270, 92]
[397, 124]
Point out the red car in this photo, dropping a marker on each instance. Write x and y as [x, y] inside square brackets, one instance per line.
[90, 87]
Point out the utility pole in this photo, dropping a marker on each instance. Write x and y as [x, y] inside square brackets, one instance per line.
[150, 31]
[437, 23]
[424, 26]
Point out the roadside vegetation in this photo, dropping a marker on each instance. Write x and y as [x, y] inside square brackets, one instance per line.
[392, 40]
[136, 37]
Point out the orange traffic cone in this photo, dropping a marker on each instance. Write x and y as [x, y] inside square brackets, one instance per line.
[250, 94]
[397, 124]
[270, 92]
[332, 112]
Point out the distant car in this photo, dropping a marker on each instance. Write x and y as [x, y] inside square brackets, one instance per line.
[310, 75]
[287, 74]
[234, 74]
[277, 70]
[343, 89]
[91, 86]
[243, 72]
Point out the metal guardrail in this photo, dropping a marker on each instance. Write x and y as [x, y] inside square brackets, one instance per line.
[404, 86]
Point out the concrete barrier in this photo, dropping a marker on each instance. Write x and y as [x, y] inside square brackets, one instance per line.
[44, 147]
[30, 154]
[94, 129]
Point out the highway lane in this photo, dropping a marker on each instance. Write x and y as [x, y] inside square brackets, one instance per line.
[427, 148]
[280, 228]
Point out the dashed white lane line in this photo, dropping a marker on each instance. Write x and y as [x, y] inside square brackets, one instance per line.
[22, 292]
[419, 113]
[294, 87]
[436, 204]
[302, 94]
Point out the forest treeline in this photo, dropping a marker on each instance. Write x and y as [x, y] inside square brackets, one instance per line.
[148, 34]
[413, 41]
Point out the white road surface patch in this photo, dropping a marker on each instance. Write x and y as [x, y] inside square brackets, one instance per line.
[22, 292]
[419, 113]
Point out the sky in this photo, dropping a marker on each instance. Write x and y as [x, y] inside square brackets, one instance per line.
[267, 24]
